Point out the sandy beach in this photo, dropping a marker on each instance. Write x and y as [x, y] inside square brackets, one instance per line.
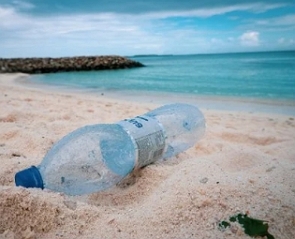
[244, 164]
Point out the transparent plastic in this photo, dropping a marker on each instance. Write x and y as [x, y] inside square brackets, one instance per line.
[94, 158]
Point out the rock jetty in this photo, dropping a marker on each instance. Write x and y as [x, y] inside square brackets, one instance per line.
[62, 64]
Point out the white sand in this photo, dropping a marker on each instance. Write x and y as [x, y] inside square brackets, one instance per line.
[244, 164]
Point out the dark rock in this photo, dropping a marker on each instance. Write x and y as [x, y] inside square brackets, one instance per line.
[52, 65]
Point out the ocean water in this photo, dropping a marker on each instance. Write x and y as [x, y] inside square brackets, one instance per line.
[267, 75]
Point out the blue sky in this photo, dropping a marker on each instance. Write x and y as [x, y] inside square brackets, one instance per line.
[40, 28]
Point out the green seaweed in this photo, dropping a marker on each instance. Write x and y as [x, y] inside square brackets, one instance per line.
[252, 227]
[224, 224]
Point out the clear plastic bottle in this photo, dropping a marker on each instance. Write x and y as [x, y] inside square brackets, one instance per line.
[96, 157]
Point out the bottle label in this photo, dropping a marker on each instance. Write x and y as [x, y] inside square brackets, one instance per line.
[148, 136]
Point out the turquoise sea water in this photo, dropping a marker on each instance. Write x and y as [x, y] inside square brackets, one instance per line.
[267, 75]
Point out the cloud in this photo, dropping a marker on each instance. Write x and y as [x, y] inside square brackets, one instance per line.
[23, 5]
[25, 32]
[205, 11]
[274, 24]
[5, 13]
[250, 39]
[287, 20]
[150, 8]
[76, 34]
[286, 42]
[282, 40]
[140, 7]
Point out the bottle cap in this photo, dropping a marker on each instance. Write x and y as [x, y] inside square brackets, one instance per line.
[29, 178]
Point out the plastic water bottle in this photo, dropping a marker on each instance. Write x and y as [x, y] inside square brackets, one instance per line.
[96, 157]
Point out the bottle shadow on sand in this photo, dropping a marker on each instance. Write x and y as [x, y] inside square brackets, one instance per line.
[135, 188]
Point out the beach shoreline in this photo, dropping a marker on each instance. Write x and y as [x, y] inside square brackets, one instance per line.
[223, 103]
[245, 164]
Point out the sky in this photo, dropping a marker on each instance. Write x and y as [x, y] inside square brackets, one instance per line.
[55, 28]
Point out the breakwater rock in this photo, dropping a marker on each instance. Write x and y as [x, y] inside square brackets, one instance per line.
[62, 64]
